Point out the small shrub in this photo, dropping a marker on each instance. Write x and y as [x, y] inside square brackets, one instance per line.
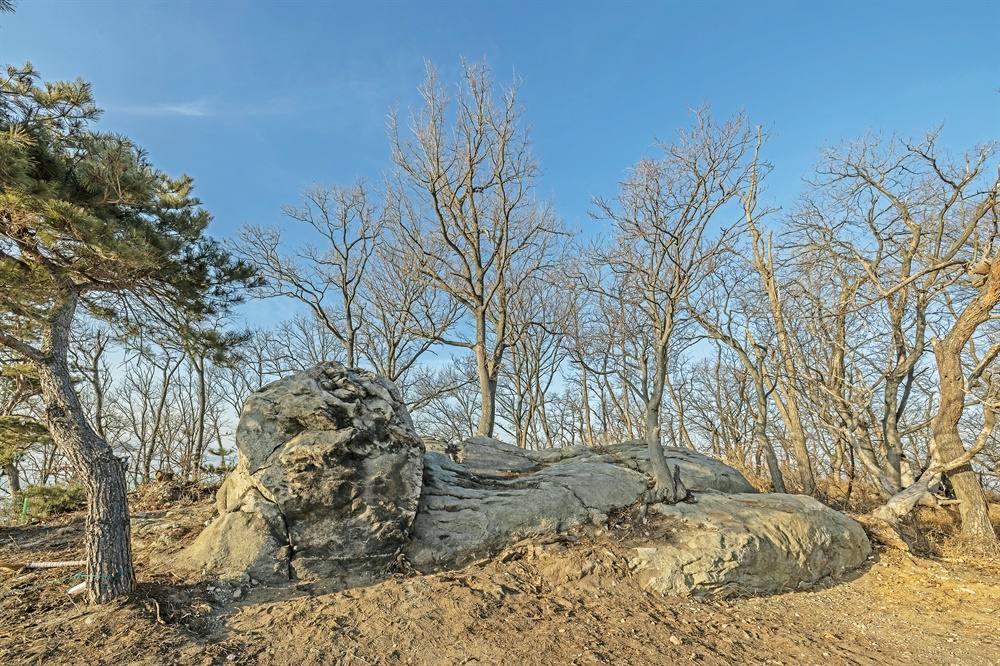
[44, 502]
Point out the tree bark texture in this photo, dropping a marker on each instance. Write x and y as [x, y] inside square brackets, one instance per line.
[487, 387]
[948, 445]
[669, 488]
[13, 478]
[946, 440]
[108, 537]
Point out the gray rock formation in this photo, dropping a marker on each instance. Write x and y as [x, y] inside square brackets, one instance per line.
[729, 545]
[251, 539]
[327, 482]
[484, 456]
[731, 541]
[491, 493]
[699, 473]
[464, 516]
[333, 484]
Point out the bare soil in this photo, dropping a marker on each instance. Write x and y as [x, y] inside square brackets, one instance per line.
[565, 600]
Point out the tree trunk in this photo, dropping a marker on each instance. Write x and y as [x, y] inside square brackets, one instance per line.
[199, 449]
[890, 432]
[13, 478]
[487, 392]
[108, 539]
[543, 414]
[98, 387]
[760, 435]
[902, 368]
[839, 458]
[946, 442]
[588, 427]
[668, 489]
[764, 263]
[681, 427]
[793, 422]
[154, 436]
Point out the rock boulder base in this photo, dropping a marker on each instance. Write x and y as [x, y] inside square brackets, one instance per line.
[327, 482]
[738, 545]
[334, 485]
[731, 541]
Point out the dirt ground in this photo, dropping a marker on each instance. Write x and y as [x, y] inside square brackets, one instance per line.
[568, 601]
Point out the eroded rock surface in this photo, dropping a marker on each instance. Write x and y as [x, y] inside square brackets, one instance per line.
[327, 482]
[730, 545]
[464, 516]
[699, 473]
[487, 493]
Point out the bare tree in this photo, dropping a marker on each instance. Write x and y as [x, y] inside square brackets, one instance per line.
[534, 362]
[451, 415]
[663, 245]
[608, 340]
[325, 277]
[468, 224]
[88, 359]
[382, 316]
[142, 401]
[922, 228]
[721, 409]
[786, 381]
[947, 447]
[730, 312]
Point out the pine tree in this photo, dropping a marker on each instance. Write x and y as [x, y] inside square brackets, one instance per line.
[87, 223]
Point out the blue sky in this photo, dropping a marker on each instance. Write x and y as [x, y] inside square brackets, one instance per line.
[258, 99]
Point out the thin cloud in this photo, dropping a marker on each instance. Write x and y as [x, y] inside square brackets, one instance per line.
[278, 106]
[197, 109]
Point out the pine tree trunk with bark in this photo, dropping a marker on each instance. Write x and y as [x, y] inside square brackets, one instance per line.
[108, 537]
[13, 478]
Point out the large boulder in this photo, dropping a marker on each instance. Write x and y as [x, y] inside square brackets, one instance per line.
[333, 484]
[327, 482]
[465, 515]
[729, 541]
[729, 545]
[252, 539]
[487, 493]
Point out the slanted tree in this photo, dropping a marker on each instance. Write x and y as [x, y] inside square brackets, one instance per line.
[87, 223]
